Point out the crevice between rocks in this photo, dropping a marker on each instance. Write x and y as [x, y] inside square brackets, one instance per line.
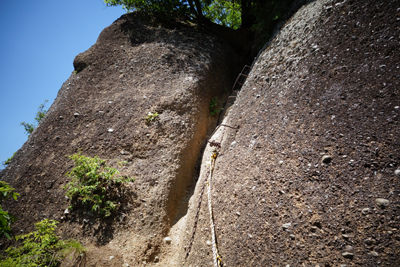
[184, 187]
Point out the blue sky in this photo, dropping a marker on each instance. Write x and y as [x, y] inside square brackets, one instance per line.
[39, 41]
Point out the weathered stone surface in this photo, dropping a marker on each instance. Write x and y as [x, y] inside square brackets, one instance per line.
[133, 69]
[327, 84]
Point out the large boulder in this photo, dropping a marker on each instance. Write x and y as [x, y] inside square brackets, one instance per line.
[133, 69]
[311, 177]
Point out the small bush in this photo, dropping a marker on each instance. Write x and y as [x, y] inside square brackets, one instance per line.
[6, 219]
[28, 127]
[213, 106]
[94, 184]
[39, 116]
[8, 161]
[41, 248]
[151, 117]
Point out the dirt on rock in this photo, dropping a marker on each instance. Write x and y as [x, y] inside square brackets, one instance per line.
[311, 177]
[133, 69]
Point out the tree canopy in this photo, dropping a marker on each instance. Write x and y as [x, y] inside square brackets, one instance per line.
[258, 16]
[223, 12]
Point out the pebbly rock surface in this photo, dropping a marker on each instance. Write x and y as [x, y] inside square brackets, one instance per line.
[307, 176]
[133, 69]
[310, 178]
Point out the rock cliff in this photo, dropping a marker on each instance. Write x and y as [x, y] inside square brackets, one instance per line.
[303, 171]
[311, 177]
[133, 69]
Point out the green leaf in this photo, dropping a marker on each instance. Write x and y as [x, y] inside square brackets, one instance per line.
[7, 235]
[40, 248]
[92, 182]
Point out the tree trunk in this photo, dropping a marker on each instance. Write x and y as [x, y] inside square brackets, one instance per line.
[199, 11]
[247, 16]
[196, 9]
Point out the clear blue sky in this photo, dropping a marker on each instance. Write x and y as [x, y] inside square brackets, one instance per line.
[38, 43]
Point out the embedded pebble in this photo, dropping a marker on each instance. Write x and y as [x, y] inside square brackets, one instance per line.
[368, 241]
[365, 210]
[208, 243]
[382, 202]
[374, 253]
[397, 172]
[326, 159]
[286, 225]
[348, 255]
[167, 240]
[348, 248]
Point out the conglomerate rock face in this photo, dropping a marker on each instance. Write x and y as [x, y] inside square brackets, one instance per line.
[133, 69]
[308, 175]
[311, 177]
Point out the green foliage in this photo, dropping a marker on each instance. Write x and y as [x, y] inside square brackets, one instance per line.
[161, 9]
[213, 106]
[225, 13]
[5, 163]
[93, 184]
[41, 248]
[7, 191]
[6, 219]
[41, 112]
[260, 16]
[39, 116]
[151, 117]
[28, 127]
